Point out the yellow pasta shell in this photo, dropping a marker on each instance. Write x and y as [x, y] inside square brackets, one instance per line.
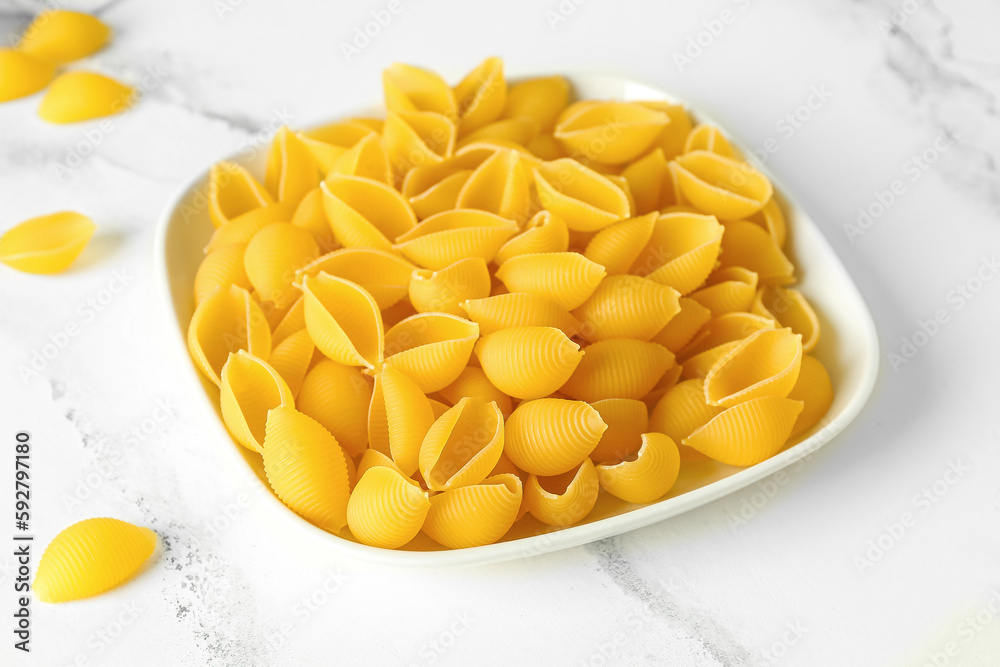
[291, 169]
[618, 368]
[233, 191]
[329, 142]
[543, 233]
[648, 476]
[528, 362]
[481, 96]
[566, 278]
[432, 349]
[627, 307]
[386, 509]
[365, 213]
[338, 397]
[541, 99]
[517, 131]
[250, 387]
[22, 75]
[709, 138]
[384, 275]
[610, 132]
[684, 326]
[766, 363]
[243, 227]
[398, 419]
[682, 251]
[746, 244]
[728, 290]
[294, 319]
[227, 321]
[409, 88]
[503, 311]
[373, 458]
[221, 268]
[585, 199]
[499, 185]
[366, 159]
[59, 36]
[617, 247]
[789, 308]
[550, 436]
[272, 257]
[343, 320]
[46, 244]
[748, 432]
[463, 445]
[725, 329]
[447, 237]
[672, 138]
[773, 220]
[473, 383]
[442, 291]
[815, 390]
[416, 138]
[471, 516]
[77, 96]
[546, 147]
[721, 186]
[307, 468]
[680, 412]
[627, 420]
[565, 499]
[91, 557]
[291, 358]
[441, 196]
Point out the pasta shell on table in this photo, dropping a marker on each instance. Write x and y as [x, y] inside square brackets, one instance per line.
[338, 397]
[22, 75]
[646, 179]
[385, 275]
[518, 131]
[463, 445]
[681, 252]
[618, 368]
[747, 433]
[233, 191]
[585, 199]
[343, 320]
[716, 340]
[773, 220]
[291, 168]
[472, 516]
[481, 96]
[386, 510]
[409, 88]
[432, 349]
[541, 99]
[442, 291]
[746, 244]
[227, 321]
[617, 246]
[627, 420]
[789, 308]
[221, 268]
[366, 159]
[815, 390]
[728, 290]
[250, 388]
[91, 557]
[449, 236]
[709, 138]
[627, 307]
[726, 188]
[517, 309]
[244, 227]
[272, 257]
[474, 383]
[499, 185]
[564, 499]
[551, 436]
[307, 468]
[59, 36]
[528, 362]
[365, 213]
[46, 244]
[566, 278]
[398, 419]
[78, 95]
[291, 359]
[293, 320]
[328, 143]
[311, 216]
[416, 138]
[610, 132]
[680, 412]
[673, 137]
[684, 326]
[546, 147]
[544, 232]
[647, 476]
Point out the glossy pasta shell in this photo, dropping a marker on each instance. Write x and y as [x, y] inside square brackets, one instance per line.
[46, 244]
[585, 199]
[227, 321]
[77, 96]
[463, 445]
[550, 436]
[748, 432]
[543, 233]
[338, 397]
[567, 278]
[766, 363]
[619, 368]
[528, 362]
[721, 186]
[789, 308]
[610, 132]
[471, 516]
[627, 420]
[617, 247]
[627, 307]
[250, 388]
[647, 477]
[365, 213]
[683, 326]
[442, 291]
[272, 257]
[473, 383]
[815, 390]
[384, 275]
[682, 251]
[291, 168]
[680, 412]
[386, 510]
[503, 311]
[450, 236]
[343, 320]
[564, 499]
[398, 419]
[499, 185]
[432, 349]
[221, 268]
[746, 244]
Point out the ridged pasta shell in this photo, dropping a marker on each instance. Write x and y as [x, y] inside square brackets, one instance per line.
[481, 96]
[307, 468]
[721, 186]
[221, 268]
[672, 138]
[384, 275]
[366, 159]
[550, 436]
[618, 368]
[709, 138]
[292, 357]
[666, 382]
[243, 227]
[442, 291]
[365, 213]
[648, 476]
[528, 362]
[250, 388]
[77, 96]
[610, 132]
[585, 199]
[683, 326]
[338, 397]
[815, 391]
[627, 307]
[432, 349]
[503, 311]
[566, 278]
[417, 138]
[463, 445]
[746, 244]
[474, 383]
[441, 196]
[233, 191]
[728, 291]
[543, 233]
[565, 499]
[409, 88]
[681, 252]
[766, 363]
[91, 557]
[447, 237]
[398, 419]
[748, 432]
[329, 142]
[627, 420]
[227, 321]
[471, 516]
[272, 257]
[542, 99]
[617, 247]
[343, 320]
[499, 185]
[291, 169]
[46, 244]
[294, 319]
[386, 510]
[680, 412]
[773, 220]
[22, 75]
[59, 36]
[789, 308]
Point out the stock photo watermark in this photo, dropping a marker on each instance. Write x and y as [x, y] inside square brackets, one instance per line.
[435, 648]
[363, 35]
[308, 606]
[965, 633]
[712, 29]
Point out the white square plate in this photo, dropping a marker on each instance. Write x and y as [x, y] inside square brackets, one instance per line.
[848, 347]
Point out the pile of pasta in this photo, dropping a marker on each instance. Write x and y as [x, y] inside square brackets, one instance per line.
[497, 301]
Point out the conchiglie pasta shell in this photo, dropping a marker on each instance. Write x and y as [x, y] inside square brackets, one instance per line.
[499, 185]
[409, 88]
[472, 516]
[242, 228]
[447, 237]
[481, 96]
[59, 36]
[292, 357]
[432, 349]
[291, 169]
[550, 436]
[233, 191]
[91, 557]
[227, 321]
[700, 364]
[463, 445]
[46, 244]
[440, 197]
[646, 179]
[400, 311]
[647, 477]
[386, 510]
[541, 99]
[622, 183]
[728, 290]
[365, 213]
[77, 96]
[789, 308]
[474, 383]
[619, 368]
[416, 138]
[815, 391]
[567, 278]
[343, 320]
[681, 251]
[373, 458]
[617, 247]
[627, 307]
[627, 420]
[746, 244]
[366, 159]
[565, 499]
[504, 311]
[528, 362]
[272, 257]
[543, 233]
[338, 397]
[221, 268]
[442, 291]
[683, 326]
[765, 363]
[721, 186]
[709, 138]
[610, 132]
[22, 75]
[517, 131]
[384, 275]
[250, 388]
[680, 412]
[672, 138]
[307, 468]
[398, 419]
[329, 142]
[747, 433]
[585, 199]
[293, 320]
[773, 220]
[420, 179]
[546, 147]
[725, 329]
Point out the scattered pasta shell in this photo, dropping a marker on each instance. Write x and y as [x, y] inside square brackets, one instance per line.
[566, 278]
[627, 307]
[528, 362]
[307, 468]
[627, 420]
[250, 388]
[60, 36]
[386, 510]
[432, 349]
[610, 132]
[338, 397]
[721, 186]
[409, 88]
[233, 191]
[471, 516]
[77, 96]
[815, 390]
[618, 368]
[504, 311]
[481, 96]
[684, 326]
[680, 412]
[227, 321]
[646, 477]
[343, 320]
[564, 499]
[728, 290]
[473, 383]
[709, 138]
[46, 244]
[417, 138]
[789, 308]
[766, 363]
[682, 251]
[585, 199]
[22, 75]
[398, 419]
[221, 268]
[292, 357]
[747, 433]
[365, 213]
[442, 291]
[499, 185]
[543, 233]
[450, 236]
[272, 257]
[463, 445]
[366, 159]
[550, 436]
[541, 99]
[617, 247]
[384, 275]
[746, 244]
[291, 168]
[91, 557]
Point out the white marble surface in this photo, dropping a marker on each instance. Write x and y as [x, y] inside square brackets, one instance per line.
[783, 585]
